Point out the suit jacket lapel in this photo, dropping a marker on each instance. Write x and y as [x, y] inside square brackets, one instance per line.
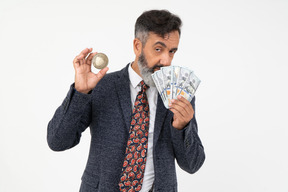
[159, 119]
[123, 90]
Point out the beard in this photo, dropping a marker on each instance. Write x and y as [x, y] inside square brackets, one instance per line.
[145, 71]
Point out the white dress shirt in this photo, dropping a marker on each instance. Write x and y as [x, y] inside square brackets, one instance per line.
[152, 95]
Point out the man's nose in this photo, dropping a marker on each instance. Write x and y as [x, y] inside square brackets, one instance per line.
[165, 59]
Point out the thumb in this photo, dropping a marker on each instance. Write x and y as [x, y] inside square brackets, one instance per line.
[102, 73]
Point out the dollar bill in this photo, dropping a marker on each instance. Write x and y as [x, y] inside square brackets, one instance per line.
[185, 93]
[162, 84]
[190, 87]
[157, 80]
[160, 79]
[173, 81]
[175, 76]
[166, 72]
[182, 78]
[195, 81]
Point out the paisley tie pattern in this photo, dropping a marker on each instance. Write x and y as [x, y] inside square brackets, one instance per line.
[135, 160]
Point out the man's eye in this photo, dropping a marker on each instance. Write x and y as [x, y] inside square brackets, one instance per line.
[158, 49]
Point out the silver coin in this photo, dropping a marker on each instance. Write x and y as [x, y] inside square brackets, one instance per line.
[100, 61]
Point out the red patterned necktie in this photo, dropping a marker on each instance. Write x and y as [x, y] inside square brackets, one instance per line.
[135, 158]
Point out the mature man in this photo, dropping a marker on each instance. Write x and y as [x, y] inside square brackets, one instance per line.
[134, 138]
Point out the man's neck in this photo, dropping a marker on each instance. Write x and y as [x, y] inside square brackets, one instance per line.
[135, 67]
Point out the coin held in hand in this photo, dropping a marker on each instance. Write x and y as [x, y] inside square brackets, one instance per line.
[100, 61]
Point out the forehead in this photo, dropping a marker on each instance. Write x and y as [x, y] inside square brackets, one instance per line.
[170, 39]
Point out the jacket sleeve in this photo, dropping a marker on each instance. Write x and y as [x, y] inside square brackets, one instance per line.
[69, 121]
[187, 145]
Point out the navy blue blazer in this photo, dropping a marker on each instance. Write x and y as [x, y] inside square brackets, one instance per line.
[107, 111]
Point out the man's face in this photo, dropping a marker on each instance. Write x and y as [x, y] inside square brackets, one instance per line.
[157, 52]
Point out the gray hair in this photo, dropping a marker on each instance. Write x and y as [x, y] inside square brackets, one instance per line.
[160, 22]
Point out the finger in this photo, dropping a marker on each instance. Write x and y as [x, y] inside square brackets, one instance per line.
[76, 62]
[180, 106]
[175, 112]
[175, 103]
[83, 55]
[102, 73]
[179, 122]
[90, 57]
[182, 99]
[177, 115]
[184, 103]
[179, 111]
[182, 115]
[184, 108]
[85, 52]
[79, 59]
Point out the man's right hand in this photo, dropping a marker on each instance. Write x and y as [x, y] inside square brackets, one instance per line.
[85, 79]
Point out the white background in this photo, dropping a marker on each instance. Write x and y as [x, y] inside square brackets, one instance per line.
[237, 48]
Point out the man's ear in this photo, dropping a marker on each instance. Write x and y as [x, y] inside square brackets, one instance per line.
[137, 46]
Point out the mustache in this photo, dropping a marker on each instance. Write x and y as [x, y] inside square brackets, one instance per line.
[157, 66]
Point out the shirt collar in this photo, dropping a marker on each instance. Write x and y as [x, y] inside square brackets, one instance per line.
[135, 79]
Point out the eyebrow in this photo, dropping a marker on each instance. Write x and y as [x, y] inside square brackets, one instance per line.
[161, 43]
[164, 45]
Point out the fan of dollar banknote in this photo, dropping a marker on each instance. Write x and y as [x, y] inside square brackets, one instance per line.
[175, 80]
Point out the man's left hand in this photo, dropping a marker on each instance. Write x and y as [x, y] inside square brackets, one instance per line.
[183, 112]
